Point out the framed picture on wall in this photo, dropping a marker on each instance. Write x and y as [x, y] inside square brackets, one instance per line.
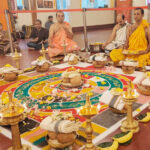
[40, 3]
[48, 4]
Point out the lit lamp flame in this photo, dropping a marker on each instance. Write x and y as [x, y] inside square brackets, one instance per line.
[131, 92]
[25, 107]
[98, 107]
[1, 116]
[78, 110]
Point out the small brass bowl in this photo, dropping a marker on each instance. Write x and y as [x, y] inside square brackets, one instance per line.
[145, 90]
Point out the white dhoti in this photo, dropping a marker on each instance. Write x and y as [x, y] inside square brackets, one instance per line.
[119, 40]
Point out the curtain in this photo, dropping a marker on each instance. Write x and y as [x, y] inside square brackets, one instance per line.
[3, 6]
[147, 2]
[63, 4]
[19, 4]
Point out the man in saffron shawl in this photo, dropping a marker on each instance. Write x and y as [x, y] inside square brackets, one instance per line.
[137, 46]
[60, 37]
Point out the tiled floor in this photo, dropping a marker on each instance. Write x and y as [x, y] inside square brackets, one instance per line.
[28, 56]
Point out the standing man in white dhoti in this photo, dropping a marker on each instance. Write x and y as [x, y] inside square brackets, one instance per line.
[118, 36]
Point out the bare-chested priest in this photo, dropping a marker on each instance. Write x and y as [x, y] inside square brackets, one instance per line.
[118, 36]
[61, 34]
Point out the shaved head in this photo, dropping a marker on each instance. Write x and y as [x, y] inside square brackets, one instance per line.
[121, 16]
[60, 16]
[121, 19]
[59, 12]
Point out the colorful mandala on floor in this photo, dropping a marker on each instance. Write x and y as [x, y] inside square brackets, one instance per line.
[44, 93]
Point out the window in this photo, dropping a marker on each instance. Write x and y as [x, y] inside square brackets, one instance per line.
[22, 4]
[19, 5]
[95, 3]
[64, 4]
[147, 2]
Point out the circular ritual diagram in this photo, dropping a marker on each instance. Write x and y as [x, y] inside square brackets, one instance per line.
[46, 91]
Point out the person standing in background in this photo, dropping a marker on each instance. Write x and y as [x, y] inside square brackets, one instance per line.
[49, 22]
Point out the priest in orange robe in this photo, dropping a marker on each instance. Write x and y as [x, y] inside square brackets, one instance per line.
[60, 37]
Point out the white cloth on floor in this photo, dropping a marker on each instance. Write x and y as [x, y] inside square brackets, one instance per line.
[62, 126]
[114, 101]
[139, 79]
[146, 82]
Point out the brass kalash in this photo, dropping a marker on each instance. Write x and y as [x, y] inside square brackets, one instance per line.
[43, 51]
[11, 114]
[129, 97]
[88, 111]
[16, 57]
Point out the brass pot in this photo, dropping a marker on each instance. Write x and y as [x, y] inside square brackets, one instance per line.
[99, 64]
[43, 68]
[73, 62]
[143, 89]
[128, 69]
[66, 80]
[96, 47]
[72, 83]
[60, 140]
[12, 76]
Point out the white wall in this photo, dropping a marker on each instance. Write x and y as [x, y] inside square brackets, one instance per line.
[93, 17]
[24, 19]
[76, 18]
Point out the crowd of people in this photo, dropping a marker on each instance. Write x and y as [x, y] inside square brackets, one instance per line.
[124, 37]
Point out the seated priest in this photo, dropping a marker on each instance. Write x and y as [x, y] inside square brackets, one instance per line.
[38, 37]
[60, 37]
[137, 46]
[118, 36]
[5, 42]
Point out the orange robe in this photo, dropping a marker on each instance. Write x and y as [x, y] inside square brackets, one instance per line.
[137, 42]
[58, 42]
